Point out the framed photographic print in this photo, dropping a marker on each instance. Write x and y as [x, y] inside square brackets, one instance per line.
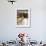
[23, 16]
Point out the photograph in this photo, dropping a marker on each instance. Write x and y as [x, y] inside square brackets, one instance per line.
[23, 18]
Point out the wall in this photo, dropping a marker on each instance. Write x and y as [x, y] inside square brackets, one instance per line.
[8, 28]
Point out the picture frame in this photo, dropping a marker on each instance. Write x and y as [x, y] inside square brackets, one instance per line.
[23, 17]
